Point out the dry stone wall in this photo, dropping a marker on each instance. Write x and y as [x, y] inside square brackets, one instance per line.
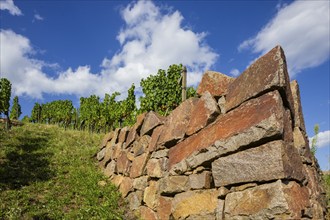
[239, 151]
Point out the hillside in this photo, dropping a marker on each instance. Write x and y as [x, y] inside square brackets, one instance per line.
[49, 173]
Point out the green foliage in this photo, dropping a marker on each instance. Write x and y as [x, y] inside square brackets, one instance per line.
[16, 111]
[5, 93]
[48, 173]
[26, 119]
[36, 113]
[162, 92]
[314, 139]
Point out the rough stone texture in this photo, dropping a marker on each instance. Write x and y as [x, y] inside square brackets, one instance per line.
[106, 138]
[123, 135]
[267, 73]
[157, 167]
[164, 207]
[154, 138]
[100, 155]
[126, 186]
[151, 121]
[140, 146]
[123, 163]
[176, 123]
[147, 214]
[298, 115]
[271, 161]
[222, 104]
[174, 184]
[194, 203]
[256, 149]
[135, 199]
[160, 154]
[201, 180]
[138, 165]
[205, 111]
[150, 196]
[268, 201]
[140, 183]
[110, 169]
[214, 82]
[254, 120]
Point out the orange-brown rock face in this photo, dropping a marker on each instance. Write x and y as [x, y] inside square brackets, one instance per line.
[239, 151]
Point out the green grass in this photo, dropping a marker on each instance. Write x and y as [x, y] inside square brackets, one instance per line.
[49, 173]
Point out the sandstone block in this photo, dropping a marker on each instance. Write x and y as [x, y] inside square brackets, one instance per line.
[164, 207]
[115, 136]
[298, 115]
[160, 154]
[140, 183]
[269, 201]
[138, 165]
[117, 179]
[147, 214]
[157, 167]
[116, 150]
[110, 169]
[194, 203]
[140, 146]
[254, 120]
[106, 138]
[215, 83]
[301, 144]
[174, 184]
[135, 199]
[222, 104]
[201, 180]
[126, 186]
[176, 123]
[107, 154]
[134, 132]
[123, 135]
[259, 164]
[150, 196]
[100, 155]
[154, 138]
[151, 121]
[205, 112]
[267, 73]
[123, 163]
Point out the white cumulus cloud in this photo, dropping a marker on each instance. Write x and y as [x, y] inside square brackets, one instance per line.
[302, 29]
[38, 17]
[10, 6]
[150, 39]
[323, 139]
[234, 72]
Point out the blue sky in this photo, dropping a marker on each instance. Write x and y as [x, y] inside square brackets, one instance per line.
[54, 50]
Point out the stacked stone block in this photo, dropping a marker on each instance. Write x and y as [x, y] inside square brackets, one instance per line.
[239, 151]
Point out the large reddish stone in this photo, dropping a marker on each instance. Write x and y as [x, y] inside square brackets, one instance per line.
[123, 135]
[254, 120]
[138, 165]
[126, 186]
[267, 73]
[271, 161]
[135, 130]
[205, 111]
[154, 138]
[215, 83]
[147, 213]
[151, 121]
[140, 145]
[150, 196]
[123, 163]
[269, 201]
[106, 138]
[176, 123]
[298, 114]
[115, 136]
[164, 207]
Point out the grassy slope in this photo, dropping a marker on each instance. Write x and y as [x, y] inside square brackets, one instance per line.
[48, 173]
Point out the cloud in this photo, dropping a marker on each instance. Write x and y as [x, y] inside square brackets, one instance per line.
[150, 39]
[302, 29]
[38, 17]
[10, 6]
[234, 72]
[323, 139]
